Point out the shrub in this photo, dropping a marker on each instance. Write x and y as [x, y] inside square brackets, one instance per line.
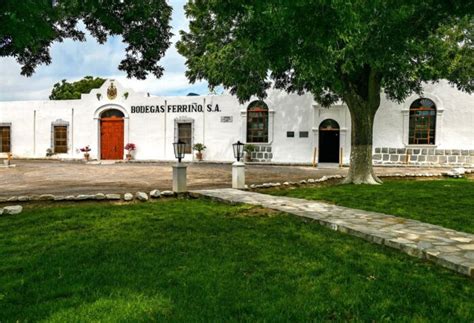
[249, 148]
[199, 147]
[130, 147]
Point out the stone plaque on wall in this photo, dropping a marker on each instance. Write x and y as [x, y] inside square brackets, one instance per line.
[226, 119]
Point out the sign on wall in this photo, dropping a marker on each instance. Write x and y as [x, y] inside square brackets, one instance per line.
[226, 119]
[175, 108]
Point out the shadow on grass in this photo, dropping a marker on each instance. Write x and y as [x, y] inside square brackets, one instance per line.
[448, 202]
[188, 260]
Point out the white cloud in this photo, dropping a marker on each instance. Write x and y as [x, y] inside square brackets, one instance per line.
[74, 60]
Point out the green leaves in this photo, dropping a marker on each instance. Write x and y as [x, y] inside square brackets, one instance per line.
[334, 49]
[28, 28]
[72, 91]
[327, 48]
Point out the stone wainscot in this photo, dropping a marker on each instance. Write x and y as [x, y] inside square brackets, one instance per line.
[423, 156]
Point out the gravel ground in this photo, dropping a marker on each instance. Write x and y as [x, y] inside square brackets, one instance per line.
[65, 178]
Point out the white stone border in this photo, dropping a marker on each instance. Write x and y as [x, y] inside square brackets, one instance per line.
[141, 196]
[452, 173]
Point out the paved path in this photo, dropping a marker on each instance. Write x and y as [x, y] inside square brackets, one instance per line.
[449, 248]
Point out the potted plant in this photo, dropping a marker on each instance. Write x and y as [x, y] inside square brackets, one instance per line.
[199, 148]
[49, 152]
[249, 149]
[130, 148]
[86, 150]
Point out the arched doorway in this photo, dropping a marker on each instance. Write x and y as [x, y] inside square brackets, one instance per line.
[111, 134]
[329, 141]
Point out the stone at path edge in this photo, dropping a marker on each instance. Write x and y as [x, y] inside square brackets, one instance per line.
[14, 209]
[100, 196]
[112, 196]
[167, 193]
[141, 196]
[155, 193]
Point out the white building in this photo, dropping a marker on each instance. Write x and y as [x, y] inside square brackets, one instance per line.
[436, 129]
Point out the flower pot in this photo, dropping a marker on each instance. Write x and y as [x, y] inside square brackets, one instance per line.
[199, 156]
[6, 162]
[86, 156]
[248, 157]
[129, 156]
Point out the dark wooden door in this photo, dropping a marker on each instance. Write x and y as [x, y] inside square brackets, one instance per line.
[329, 146]
[111, 138]
[185, 134]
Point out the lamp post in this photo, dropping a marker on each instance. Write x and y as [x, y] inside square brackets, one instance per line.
[238, 167]
[179, 170]
[179, 150]
[238, 148]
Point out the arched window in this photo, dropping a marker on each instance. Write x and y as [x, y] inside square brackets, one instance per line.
[328, 125]
[112, 113]
[422, 122]
[257, 122]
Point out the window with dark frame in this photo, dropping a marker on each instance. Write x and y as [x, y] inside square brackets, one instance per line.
[257, 122]
[5, 139]
[290, 134]
[304, 134]
[185, 135]
[60, 139]
[422, 123]
[329, 125]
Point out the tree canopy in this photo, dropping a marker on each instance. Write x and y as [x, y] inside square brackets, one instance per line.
[29, 27]
[71, 91]
[336, 50]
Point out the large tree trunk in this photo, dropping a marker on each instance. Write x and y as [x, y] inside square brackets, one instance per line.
[363, 108]
[361, 171]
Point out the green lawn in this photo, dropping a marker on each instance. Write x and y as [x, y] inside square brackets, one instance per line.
[449, 203]
[195, 260]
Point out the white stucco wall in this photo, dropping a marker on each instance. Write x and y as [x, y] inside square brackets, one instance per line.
[291, 113]
[154, 132]
[454, 120]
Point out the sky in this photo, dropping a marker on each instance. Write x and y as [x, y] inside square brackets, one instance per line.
[74, 60]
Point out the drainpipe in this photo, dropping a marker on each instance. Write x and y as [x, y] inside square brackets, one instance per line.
[164, 138]
[72, 132]
[34, 133]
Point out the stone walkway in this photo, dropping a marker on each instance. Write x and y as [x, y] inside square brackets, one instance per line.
[448, 248]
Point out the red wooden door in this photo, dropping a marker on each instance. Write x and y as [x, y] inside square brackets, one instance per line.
[111, 138]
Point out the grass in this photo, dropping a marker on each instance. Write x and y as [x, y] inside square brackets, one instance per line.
[449, 203]
[195, 260]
